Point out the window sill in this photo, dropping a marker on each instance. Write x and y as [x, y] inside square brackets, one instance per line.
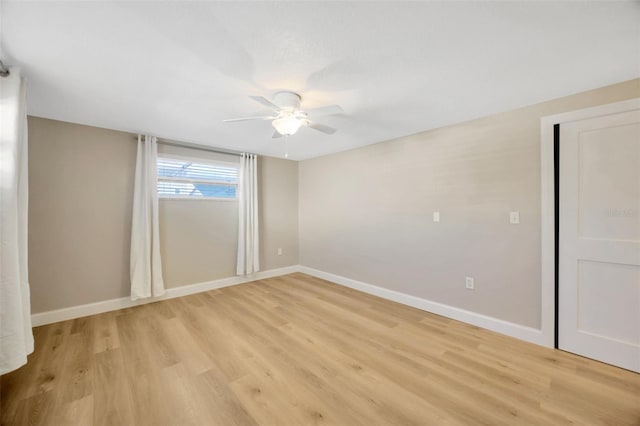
[196, 199]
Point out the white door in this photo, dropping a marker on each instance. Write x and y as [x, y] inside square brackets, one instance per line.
[599, 245]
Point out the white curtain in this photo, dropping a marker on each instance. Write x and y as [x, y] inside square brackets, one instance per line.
[16, 338]
[248, 232]
[146, 266]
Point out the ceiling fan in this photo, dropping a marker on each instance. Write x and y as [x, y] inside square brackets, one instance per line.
[288, 117]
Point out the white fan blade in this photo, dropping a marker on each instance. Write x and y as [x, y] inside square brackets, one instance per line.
[321, 127]
[231, 120]
[276, 134]
[265, 102]
[324, 111]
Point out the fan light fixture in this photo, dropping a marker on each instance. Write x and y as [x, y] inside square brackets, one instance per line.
[287, 117]
[287, 125]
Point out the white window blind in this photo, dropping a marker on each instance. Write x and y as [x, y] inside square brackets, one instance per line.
[184, 178]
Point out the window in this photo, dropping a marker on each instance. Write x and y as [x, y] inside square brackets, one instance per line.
[196, 179]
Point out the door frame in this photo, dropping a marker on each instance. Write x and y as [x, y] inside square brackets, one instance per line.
[548, 193]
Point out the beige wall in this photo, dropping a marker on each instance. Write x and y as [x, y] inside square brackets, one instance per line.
[81, 188]
[366, 214]
[199, 238]
[278, 199]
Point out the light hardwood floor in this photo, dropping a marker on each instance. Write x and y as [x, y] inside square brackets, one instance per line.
[296, 350]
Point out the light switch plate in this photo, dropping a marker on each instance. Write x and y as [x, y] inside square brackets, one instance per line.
[514, 218]
[436, 216]
[279, 252]
[469, 283]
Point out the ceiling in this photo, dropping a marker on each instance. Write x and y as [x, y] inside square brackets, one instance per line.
[177, 69]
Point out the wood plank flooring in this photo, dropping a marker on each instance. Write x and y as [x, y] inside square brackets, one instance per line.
[297, 350]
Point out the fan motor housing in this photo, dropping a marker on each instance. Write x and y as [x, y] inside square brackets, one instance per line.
[287, 101]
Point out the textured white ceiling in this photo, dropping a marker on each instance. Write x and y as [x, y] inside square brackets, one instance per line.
[177, 69]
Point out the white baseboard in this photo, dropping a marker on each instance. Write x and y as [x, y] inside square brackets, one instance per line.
[73, 312]
[518, 331]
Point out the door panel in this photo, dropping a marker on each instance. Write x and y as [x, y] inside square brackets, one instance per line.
[609, 183]
[622, 292]
[599, 247]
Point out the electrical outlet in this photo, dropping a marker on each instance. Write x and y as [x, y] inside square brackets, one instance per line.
[514, 218]
[468, 283]
[279, 251]
[436, 216]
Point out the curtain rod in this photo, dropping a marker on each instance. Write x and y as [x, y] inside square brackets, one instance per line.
[4, 71]
[196, 146]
